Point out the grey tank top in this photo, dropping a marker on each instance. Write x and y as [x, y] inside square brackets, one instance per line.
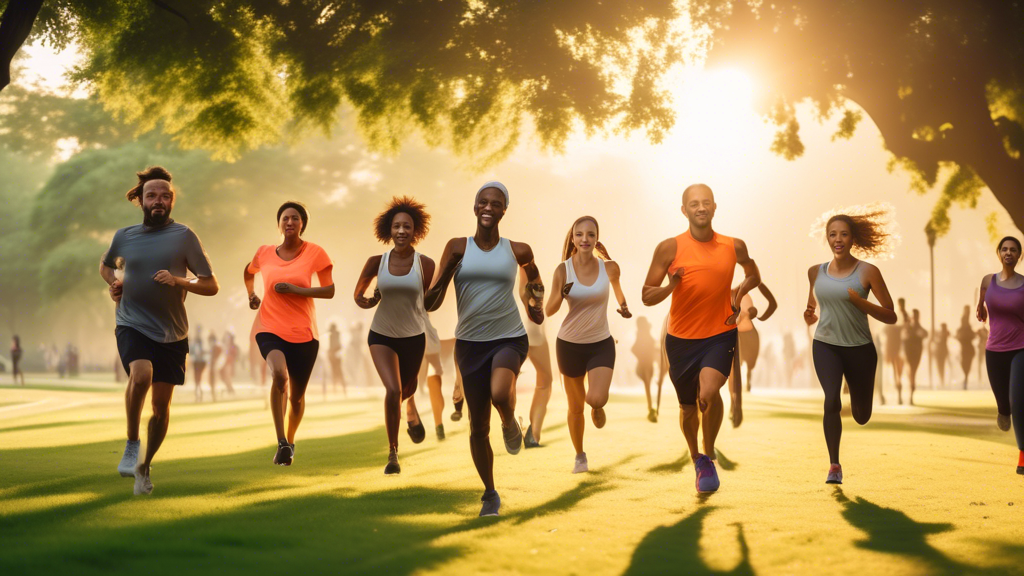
[587, 320]
[485, 294]
[841, 323]
[400, 311]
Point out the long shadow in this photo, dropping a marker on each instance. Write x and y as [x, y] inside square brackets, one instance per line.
[671, 467]
[364, 533]
[563, 502]
[676, 550]
[976, 433]
[893, 532]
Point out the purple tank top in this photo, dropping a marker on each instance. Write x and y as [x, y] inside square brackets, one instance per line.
[1005, 317]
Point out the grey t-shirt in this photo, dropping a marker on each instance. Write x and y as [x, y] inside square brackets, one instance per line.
[155, 309]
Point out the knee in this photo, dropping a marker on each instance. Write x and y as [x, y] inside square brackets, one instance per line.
[833, 405]
[544, 380]
[502, 397]
[575, 408]
[392, 394]
[141, 376]
[862, 415]
[479, 432]
[161, 411]
[279, 379]
[596, 399]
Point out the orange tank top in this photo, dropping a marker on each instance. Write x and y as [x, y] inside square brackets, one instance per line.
[701, 302]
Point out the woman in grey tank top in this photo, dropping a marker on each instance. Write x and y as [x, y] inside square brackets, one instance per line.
[842, 341]
[396, 336]
[491, 342]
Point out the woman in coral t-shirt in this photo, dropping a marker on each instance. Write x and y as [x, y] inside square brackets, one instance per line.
[288, 338]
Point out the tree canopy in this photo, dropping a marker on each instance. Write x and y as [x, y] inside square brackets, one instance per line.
[942, 79]
[233, 75]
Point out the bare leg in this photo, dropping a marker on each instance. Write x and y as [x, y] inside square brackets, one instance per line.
[278, 390]
[599, 382]
[297, 398]
[503, 394]
[689, 423]
[157, 429]
[711, 382]
[540, 356]
[576, 395]
[436, 398]
[140, 379]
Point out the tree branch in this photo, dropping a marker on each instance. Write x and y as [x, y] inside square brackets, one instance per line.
[15, 26]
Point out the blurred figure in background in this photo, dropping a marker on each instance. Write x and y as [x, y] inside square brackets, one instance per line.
[644, 349]
[940, 352]
[334, 359]
[197, 355]
[965, 336]
[16, 353]
[914, 336]
[227, 370]
[214, 352]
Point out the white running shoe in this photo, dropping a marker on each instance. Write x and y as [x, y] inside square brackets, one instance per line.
[1003, 421]
[131, 457]
[581, 464]
[143, 485]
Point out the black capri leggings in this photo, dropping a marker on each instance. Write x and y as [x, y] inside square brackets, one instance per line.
[1006, 376]
[857, 364]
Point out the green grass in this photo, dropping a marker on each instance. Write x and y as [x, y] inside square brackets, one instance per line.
[929, 490]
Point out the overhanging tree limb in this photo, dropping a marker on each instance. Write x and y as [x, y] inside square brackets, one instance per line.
[15, 26]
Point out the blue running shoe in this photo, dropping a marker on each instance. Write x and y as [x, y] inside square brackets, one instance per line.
[707, 476]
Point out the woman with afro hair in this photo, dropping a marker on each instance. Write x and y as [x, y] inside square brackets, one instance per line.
[396, 338]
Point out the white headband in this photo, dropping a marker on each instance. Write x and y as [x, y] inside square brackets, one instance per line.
[494, 184]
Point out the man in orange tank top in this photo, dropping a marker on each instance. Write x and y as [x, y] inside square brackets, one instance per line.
[701, 337]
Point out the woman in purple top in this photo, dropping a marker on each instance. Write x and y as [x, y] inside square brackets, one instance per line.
[1002, 302]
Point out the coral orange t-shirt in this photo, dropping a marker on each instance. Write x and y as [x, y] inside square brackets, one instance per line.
[290, 316]
[702, 301]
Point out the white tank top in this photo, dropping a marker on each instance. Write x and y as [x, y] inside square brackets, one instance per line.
[587, 320]
[485, 285]
[400, 311]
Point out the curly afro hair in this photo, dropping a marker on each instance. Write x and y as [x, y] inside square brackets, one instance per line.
[415, 210]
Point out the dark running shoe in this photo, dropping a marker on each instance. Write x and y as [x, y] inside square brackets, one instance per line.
[417, 432]
[492, 503]
[440, 431]
[285, 454]
[528, 440]
[513, 437]
[393, 467]
[457, 415]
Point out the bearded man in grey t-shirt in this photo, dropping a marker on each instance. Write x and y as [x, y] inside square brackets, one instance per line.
[146, 267]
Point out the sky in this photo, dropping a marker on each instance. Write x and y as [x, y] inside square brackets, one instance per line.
[634, 189]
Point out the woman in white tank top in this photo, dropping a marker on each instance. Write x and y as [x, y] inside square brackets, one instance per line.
[396, 336]
[585, 349]
[490, 340]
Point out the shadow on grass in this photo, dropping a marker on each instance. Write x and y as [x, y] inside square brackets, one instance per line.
[893, 532]
[934, 427]
[676, 550]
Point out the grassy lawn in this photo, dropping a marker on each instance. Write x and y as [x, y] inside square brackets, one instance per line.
[929, 490]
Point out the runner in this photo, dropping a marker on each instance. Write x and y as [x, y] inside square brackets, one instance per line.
[152, 327]
[982, 342]
[914, 336]
[585, 348]
[894, 353]
[941, 352]
[644, 349]
[748, 346]
[334, 357]
[432, 359]
[701, 335]
[1002, 304]
[965, 336]
[540, 356]
[214, 351]
[197, 350]
[227, 370]
[397, 338]
[288, 338]
[842, 345]
[16, 353]
[490, 340]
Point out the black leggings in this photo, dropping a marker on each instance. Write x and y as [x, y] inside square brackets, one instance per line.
[477, 361]
[1006, 376]
[857, 364]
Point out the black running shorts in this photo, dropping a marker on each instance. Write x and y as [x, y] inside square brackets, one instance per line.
[167, 358]
[299, 357]
[686, 358]
[575, 360]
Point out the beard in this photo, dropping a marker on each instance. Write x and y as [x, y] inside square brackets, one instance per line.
[155, 221]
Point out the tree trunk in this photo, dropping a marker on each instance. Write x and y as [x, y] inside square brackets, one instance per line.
[15, 26]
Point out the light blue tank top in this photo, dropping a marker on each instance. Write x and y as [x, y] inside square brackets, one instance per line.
[485, 293]
[841, 323]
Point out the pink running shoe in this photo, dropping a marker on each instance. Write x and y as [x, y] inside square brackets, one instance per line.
[835, 474]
